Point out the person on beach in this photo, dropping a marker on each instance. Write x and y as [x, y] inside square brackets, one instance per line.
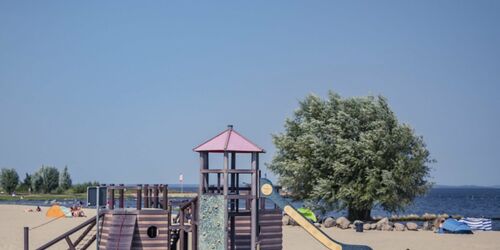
[77, 212]
[38, 209]
[438, 223]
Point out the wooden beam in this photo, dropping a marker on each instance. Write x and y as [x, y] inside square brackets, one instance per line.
[121, 192]
[70, 244]
[156, 199]
[111, 197]
[165, 196]
[26, 238]
[139, 198]
[82, 236]
[146, 195]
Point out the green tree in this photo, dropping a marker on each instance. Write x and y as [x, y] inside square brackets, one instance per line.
[65, 179]
[9, 180]
[351, 154]
[27, 180]
[25, 185]
[45, 180]
[82, 187]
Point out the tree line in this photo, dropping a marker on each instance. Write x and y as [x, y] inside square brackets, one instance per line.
[47, 179]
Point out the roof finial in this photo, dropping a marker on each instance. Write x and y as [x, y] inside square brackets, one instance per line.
[230, 127]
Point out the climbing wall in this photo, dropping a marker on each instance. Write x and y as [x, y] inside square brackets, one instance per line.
[212, 221]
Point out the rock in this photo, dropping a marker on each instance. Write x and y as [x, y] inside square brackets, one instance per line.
[329, 222]
[286, 220]
[445, 216]
[382, 222]
[399, 227]
[373, 226]
[427, 226]
[428, 216]
[366, 226]
[352, 226]
[343, 222]
[412, 226]
[317, 224]
[386, 227]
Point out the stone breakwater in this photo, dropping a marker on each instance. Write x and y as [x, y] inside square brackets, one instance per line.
[394, 223]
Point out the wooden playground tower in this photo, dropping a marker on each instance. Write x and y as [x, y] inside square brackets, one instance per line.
[228, 209]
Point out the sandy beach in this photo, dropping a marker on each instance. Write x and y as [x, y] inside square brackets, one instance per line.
[13, 219]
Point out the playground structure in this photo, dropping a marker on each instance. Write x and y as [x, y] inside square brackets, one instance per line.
[227, 213]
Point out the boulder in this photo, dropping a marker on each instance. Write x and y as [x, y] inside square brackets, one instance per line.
[366, 226]
[316, 224]
[373, 226]
[342, 222]
[412, 226]
[399, 227]
[427, 226]
[329, 222]
[428, 216]
[382, 222]
[386, 227]
[352, 226]
[445, 215]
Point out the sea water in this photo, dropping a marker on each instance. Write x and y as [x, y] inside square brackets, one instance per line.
[468, 202]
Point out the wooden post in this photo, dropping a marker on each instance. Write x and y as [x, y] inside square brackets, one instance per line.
[226, 188]
[139, 198]
[156, 199]
[111, 197]
[194, 227]
[204, 182]
[255, 207]
[181, 231]
[165, 197]
[169, 225]
[146, 195]
[218, 183]
[238, 191]
[185, 236]
[26, 238]
[122, 196]
[233, 208]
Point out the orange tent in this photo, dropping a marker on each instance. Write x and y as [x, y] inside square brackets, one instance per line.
[57, 211]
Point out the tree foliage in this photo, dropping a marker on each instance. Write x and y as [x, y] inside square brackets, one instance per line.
[350, 154]
[65, 179]
[82, 187]
[9, 179]
[27, 180]
[45, 180]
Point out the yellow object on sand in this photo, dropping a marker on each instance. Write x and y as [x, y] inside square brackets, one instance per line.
[57, 211]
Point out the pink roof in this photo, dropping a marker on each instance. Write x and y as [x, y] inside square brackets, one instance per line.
[229, 140]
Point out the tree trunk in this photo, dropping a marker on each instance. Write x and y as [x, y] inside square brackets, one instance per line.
[359, 214]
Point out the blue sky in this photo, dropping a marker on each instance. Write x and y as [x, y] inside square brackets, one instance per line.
[121, 91]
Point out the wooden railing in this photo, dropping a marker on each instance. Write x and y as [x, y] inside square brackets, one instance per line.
[90, 223]
[184, 227]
